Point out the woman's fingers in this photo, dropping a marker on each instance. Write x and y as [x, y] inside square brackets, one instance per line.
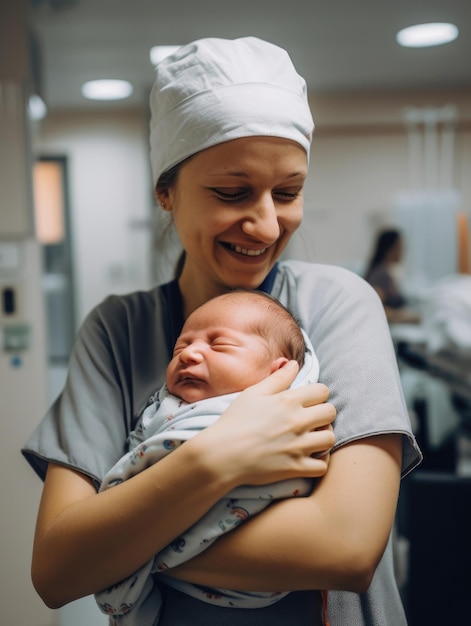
[278, 381]
[323, 442]
[308, 407]
[282, 378]
[310, 395]
[276, 432]
[298, 410]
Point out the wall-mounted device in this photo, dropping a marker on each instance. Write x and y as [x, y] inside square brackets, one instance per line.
[15, 332]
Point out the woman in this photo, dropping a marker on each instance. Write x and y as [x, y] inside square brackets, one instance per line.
[230, 137]
[386, 256]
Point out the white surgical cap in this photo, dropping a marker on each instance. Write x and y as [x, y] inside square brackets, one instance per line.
[214, 90]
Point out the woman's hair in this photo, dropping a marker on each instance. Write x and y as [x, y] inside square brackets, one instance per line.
[169, 178]
[166, 235]
[277, 325]
[386, 240]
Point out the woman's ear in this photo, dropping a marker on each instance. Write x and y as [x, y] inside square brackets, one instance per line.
[278, 364]
[163, 198]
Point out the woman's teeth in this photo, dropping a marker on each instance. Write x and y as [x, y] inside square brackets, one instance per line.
[246, 251]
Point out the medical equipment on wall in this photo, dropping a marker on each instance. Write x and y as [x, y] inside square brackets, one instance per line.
[15, 331]
[428, 212]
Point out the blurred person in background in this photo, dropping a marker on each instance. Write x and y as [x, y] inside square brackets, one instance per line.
[382, 274]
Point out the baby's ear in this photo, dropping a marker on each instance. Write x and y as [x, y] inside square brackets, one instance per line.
[278, 363]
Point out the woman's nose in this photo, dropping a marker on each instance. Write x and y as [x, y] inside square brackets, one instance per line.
[261, 221]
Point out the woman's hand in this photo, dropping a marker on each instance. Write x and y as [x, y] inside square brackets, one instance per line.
[271, 433]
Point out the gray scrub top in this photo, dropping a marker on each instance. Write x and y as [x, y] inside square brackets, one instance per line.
[119, 360]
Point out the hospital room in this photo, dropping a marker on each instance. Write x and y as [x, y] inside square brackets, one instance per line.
[381, 263]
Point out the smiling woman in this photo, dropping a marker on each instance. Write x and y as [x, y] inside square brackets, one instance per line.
[230, 138]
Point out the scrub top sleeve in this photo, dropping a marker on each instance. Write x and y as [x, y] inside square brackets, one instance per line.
[345, 320]
[87, 426]
[361, 371]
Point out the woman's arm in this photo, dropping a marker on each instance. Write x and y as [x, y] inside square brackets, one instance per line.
[333, 539]
[85, 541]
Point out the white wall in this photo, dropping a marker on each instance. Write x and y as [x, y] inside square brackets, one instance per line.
[359, 163]
[110, 199]
[351, 183]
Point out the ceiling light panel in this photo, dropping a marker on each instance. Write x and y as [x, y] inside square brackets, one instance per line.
[107, 89]
[424, 35]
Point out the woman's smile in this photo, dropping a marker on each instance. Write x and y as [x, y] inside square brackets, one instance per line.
[246, 252]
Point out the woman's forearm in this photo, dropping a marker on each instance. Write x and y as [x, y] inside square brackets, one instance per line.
[330, 540]
[87, 541]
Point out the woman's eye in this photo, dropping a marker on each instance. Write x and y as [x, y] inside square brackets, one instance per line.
[238, 195]
[230, 195]
[288, 194]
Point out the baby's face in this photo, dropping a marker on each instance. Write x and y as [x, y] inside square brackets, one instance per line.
[217, 354]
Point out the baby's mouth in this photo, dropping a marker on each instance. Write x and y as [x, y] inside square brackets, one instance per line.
[189, 377]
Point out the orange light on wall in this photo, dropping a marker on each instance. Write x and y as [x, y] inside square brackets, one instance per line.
[48, 202]
[464, 250]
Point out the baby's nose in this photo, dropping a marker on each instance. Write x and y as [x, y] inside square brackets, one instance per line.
[192, 353]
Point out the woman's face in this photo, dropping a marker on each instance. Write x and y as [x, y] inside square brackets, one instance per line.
[235, 206]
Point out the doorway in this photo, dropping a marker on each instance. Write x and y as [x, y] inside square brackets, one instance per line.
[53, 231]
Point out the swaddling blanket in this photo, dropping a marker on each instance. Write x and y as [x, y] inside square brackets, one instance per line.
[165, 424]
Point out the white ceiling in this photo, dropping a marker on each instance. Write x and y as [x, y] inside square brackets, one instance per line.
[337, 45]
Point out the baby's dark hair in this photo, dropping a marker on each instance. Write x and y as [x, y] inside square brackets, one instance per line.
[285, 332]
